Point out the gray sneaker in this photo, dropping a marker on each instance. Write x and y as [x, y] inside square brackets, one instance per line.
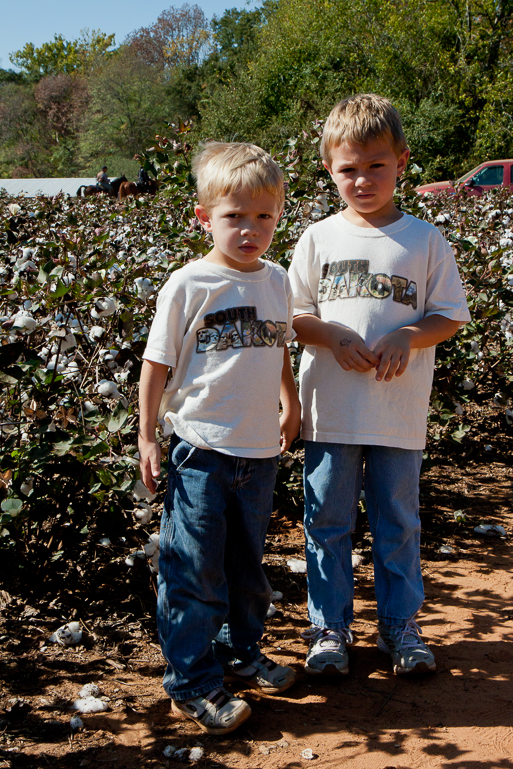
[263, 674]
[327, 651]
[409, 654]
[218, 712]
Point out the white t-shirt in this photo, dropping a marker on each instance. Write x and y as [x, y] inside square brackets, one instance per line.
[222, 332]
[373, 281]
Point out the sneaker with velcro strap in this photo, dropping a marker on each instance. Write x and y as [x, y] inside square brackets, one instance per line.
[217, 712]
[403, 643]
[327, 652]
[263, 674]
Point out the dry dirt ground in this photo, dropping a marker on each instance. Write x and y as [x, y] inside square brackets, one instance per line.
[461, 717]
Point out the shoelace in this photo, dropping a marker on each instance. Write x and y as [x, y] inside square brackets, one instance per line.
[410, 634]
[218, 697]
[314, 633]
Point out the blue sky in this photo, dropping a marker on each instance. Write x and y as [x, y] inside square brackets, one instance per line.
[37, 21]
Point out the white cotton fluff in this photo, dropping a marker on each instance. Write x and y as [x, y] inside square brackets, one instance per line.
[458, 408]
[90, 690]
[297, 565]
[90, 705]
[271, 611]
[143, 513]
[96, 333]
[141, 492]
[14, 208]
[152, 545]
[130, 559]
[108, 389]
[468, 384]
[154, 561]
[67, 635]
[490, 530]
[144, 287]
[103, 307]
[23, 321]
[276, 595]
[169, 751]
[196, 754]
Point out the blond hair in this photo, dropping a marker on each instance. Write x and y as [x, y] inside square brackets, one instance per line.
[223, 168]
[359, 119]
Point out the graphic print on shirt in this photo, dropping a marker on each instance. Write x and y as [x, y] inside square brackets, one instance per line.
[350, 278]
[238, 327]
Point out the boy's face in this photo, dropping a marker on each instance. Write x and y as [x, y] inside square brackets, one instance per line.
[366, 177]
[242, 228]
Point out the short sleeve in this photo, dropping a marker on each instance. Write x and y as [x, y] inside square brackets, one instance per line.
[168, 328]
[445, 294]
[303, 278]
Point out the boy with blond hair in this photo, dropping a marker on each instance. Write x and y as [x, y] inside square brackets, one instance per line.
[375, 291]
[221, 325]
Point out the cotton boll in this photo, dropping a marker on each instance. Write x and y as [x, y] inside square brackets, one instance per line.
[271, 611]
[67, 635]
[108, 389]
[144, 513]
[297, 565]
[96, 333]
[196, 754]
[141, 492]
[90, 690]
[103, 308]
[468, 384]
[89, 406]
[90, 705]
[144, 287]
[23, 321]
[151, 547]
[458, 408]
[276, 595]
[154, 561]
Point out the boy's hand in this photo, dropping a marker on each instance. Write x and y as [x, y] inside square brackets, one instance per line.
[350, 351]
[393, 351]
[149, 462]
[289, 428]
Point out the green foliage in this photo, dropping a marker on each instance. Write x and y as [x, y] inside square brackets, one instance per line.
[62, 56]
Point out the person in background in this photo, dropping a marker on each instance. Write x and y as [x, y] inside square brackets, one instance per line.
[103, 181]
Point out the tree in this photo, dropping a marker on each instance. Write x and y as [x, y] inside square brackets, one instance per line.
[128, 104]
[61, 56]
[179, 37]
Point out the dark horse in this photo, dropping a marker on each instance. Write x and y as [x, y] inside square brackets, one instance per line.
[93, 189]
[134, 188]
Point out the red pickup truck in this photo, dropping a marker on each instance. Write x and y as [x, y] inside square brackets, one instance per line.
[491, 173]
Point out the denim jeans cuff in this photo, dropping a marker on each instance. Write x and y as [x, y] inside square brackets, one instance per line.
[197, 691]
[320, 622]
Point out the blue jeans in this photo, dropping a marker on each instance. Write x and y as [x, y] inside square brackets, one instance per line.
[213, 594]
[333, 481]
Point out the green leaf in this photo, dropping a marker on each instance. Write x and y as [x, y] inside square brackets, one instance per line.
[118, 419]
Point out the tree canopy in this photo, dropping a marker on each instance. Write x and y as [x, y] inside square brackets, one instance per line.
[264, 75]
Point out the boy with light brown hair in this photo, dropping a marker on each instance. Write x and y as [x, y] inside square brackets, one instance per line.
[221, 325]
[375, 291]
